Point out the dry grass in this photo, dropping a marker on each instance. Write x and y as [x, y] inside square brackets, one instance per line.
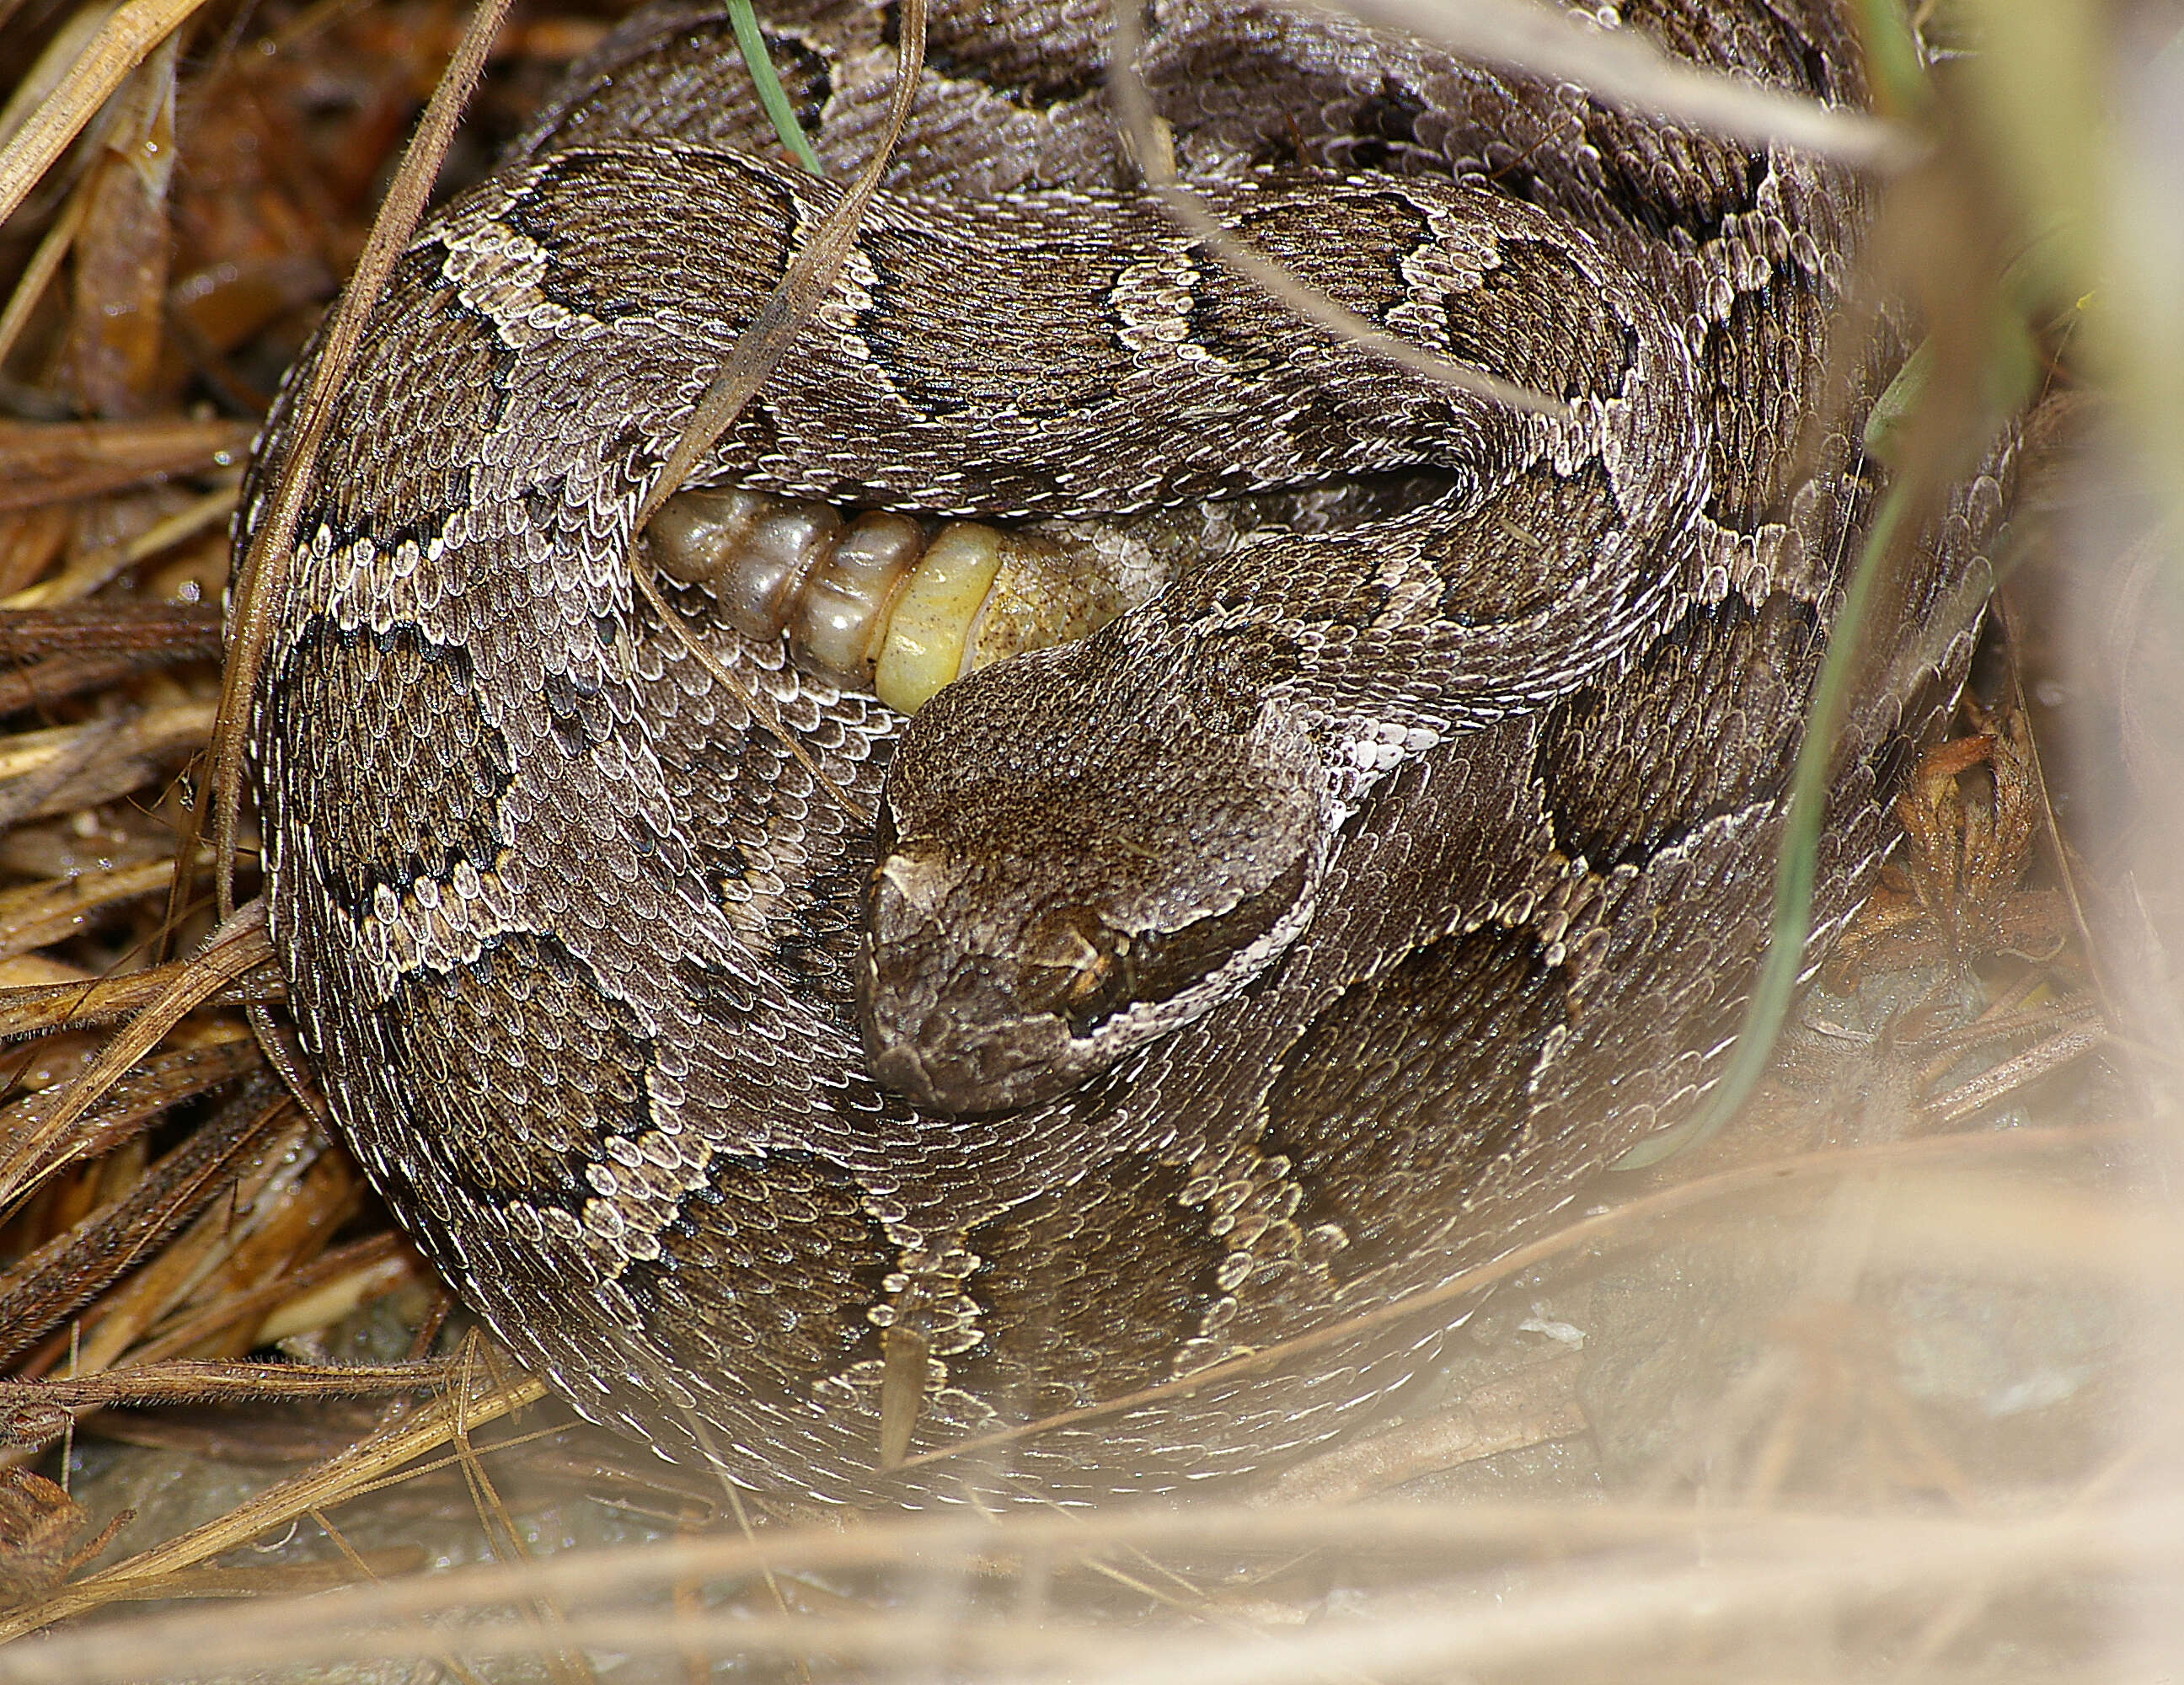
[1880, 1383]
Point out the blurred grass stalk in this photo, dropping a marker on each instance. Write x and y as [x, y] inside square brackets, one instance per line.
[2081, 110]
[2084, 122]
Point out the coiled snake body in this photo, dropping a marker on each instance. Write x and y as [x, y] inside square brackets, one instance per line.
[1309, 933]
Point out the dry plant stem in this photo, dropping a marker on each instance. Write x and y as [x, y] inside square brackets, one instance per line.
[99, 567]
[218, 1238]
[329, 1484]
[49, 774]
[2005, 613]
[48, 462]
[234, 950]
[1604, 1229]
[263, 571]
[505, 1543]
[1134, 111]
[122, 44]
[1534, 1406]
[567, 1666]
[1996, 1027]
[185, 1382]
[1992, 1086]
[174, 631]
[44, 264]
[362, 1570]
[114, 337]
[46, 682]
[1757, 1568]
[323, 1292]
[140, 1100]
[759, 349]
[2016, 1230]
[39, 1007]
[294, 1579]
[36, 765]
[1624, 69]
[368, 1257]
[41, 913]
[75, 1267]
[757, 352]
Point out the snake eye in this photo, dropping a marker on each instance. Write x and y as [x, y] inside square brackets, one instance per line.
[1075, 967]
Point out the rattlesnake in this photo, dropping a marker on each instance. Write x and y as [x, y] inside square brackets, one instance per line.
[1309, 933]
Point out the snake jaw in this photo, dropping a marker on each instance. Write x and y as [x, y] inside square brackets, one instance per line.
[993, 1031]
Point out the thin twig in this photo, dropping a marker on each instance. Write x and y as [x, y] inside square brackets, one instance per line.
[265, 569]
[757, 352]
[1126, 89]
[123, 43]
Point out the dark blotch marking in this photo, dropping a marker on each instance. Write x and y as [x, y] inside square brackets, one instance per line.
[942, 360]
[611, 263]
[517, 1067]
[543, 213]
[1538, 320]
[1032, 70]
[686, 79]
[1764, 368]
[1348, 245]
[1388, 121]
[1515, 555]
[1234, 668]
[430, 422]
[815, 944]
[575, 714]
[1374, 1137]
[1088, 1291]
[765, 1273]
[802, 72]
[1633, 763]
[400, 777]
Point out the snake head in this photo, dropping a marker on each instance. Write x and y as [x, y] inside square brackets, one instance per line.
[1076, 854]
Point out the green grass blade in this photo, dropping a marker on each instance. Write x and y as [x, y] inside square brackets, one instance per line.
[1769, 1007]
[771, 95]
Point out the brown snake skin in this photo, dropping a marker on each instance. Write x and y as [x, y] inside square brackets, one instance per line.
[1432, 804]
